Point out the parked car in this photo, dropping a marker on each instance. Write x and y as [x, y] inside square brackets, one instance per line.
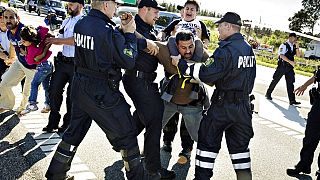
[86, 9]
[51, 6]
[165, 18]
[15, 4]
[30, 6]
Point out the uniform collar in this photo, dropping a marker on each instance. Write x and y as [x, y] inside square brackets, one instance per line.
[145, 27]
[99, 14]
[235, 36]
[289, 43]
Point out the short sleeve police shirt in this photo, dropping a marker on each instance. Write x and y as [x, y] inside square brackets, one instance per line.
[283, 48]
[68, 25]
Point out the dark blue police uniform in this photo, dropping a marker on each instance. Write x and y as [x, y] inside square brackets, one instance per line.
[99, 54]
[312, 136]
[232, 69]
[286, 69]
[145, 95]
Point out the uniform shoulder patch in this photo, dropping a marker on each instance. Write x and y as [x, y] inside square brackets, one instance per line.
[209, 62]
[128, 52]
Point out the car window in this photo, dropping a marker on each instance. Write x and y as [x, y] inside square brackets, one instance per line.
[56, 4]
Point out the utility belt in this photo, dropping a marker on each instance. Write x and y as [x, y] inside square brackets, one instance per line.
[63, 59]
[284, 63]
[113, 79]
[219, 97]
[142, 75]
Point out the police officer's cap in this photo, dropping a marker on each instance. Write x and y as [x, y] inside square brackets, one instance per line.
[151, 3]
[77, 1]
[230, 17]
[292, 35]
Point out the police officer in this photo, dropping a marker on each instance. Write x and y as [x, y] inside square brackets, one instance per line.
[99, 55]
[312, 132]
[286, 63]
[64, 66]
[232, 69]
[144, 93]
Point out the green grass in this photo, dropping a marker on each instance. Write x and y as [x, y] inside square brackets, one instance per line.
[259, 62]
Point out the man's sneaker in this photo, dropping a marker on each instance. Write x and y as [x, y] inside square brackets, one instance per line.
[167, 147]
[166, 174]
[268, 96]
[296, 171]
[184, 156]
[46, 109]
[29, 108]
[294, 103]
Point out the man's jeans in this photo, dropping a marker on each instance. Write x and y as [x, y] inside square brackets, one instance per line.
[192, 116]
[43, 75]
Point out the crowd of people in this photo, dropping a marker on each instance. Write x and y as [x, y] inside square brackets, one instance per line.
[91, 62]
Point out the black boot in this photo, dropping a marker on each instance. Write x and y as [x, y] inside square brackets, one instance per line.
[297, 170]
[166, 174]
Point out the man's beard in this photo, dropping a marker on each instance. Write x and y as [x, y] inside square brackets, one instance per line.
[73, 13]
[11, 26]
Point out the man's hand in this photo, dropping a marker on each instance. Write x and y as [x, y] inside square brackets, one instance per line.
[50, 40]
[175, 59]
[3, 56]
[152, 47]
[300, 90]
[198, 32]
[23, 52]
[128, 25]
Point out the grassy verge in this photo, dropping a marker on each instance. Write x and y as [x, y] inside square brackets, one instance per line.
[274, 66]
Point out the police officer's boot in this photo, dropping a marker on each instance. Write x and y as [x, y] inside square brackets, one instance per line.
[132, 163]
[244, 174]
[297, 170]
[61, 162]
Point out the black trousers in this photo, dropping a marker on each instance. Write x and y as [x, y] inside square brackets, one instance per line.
[62, 75]
[312, 137]
[287, 71]
[94, 100]
[148, 115]
[234, 120]
[171, 128]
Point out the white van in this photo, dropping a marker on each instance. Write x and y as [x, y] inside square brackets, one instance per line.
[313, 50]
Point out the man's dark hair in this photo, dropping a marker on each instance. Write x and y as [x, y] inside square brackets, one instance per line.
[292, 35]
[184, 35]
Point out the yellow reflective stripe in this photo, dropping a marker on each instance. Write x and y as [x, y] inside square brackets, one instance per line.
[184, 83]
[178, 71]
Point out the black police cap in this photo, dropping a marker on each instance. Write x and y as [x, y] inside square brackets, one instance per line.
[77, 1]
[292, 35]
[230, 17]
[151, 3]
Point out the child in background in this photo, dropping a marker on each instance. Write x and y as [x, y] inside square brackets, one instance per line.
[37, 52]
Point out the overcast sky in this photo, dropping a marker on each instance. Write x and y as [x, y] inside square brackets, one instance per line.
[272, 12]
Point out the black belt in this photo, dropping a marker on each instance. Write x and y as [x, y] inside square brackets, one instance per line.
[92, 73]
[142, 75]
[67, 59]
[219, 96]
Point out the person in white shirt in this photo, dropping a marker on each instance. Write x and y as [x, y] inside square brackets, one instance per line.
[286, 63]
[64, 67]
[7, 53]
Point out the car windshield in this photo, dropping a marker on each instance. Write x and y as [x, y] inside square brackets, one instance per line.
[163, 21]
[56, 4]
